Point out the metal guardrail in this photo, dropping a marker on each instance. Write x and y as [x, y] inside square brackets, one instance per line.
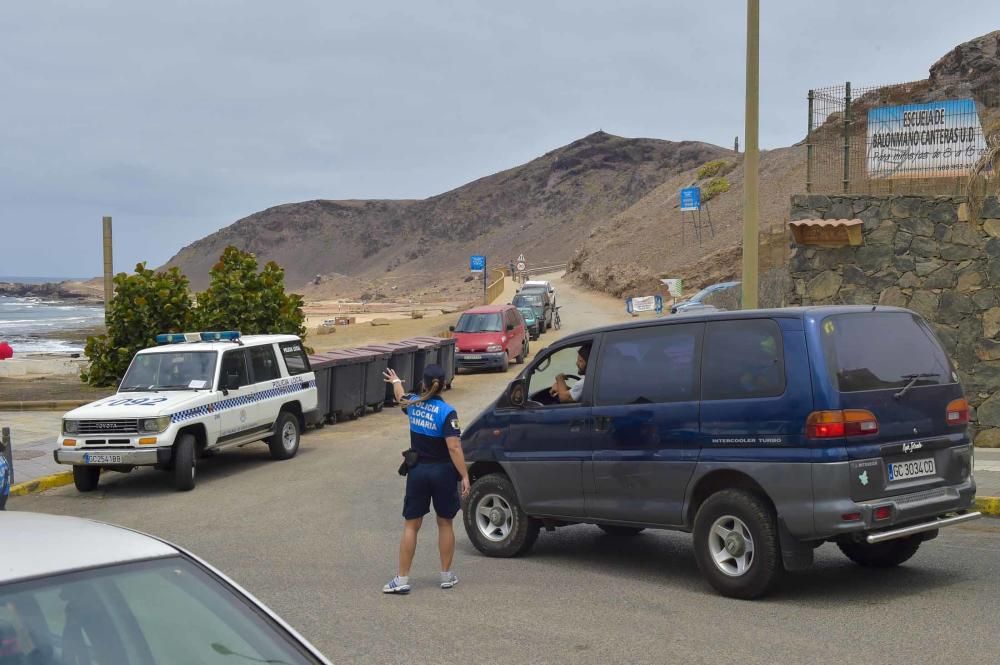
[495, 288]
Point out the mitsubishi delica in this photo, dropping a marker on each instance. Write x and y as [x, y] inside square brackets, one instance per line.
[764, 433]
[190, 396]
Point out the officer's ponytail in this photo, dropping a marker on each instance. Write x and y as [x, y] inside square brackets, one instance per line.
[431, 386]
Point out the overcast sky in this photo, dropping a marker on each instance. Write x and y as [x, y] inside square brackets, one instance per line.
[179, 117]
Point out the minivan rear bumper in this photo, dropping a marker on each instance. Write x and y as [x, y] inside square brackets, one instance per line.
[834, 511]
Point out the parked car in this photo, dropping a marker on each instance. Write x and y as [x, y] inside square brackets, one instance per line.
[490, 337]
[532, 321]
[190, 396]
[78, 591]
[541, 283]
[765, 433]
[697, 300]
[538, 299]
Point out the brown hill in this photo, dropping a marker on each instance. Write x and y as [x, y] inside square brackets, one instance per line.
[544, 209]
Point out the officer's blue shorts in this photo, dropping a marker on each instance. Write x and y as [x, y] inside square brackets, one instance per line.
[427, 482]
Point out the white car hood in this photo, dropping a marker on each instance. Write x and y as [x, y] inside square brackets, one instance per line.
[141, 404]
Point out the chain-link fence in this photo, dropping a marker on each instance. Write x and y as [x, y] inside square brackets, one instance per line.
[905, 138]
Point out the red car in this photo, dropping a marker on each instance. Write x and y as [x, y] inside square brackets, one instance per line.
[490, 337]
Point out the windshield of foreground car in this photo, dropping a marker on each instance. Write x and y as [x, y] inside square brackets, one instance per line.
[171, 370]
[161, 612]
[473, 323]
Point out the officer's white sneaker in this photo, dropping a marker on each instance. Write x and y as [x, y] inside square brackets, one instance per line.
[448, 580]
[397, 584]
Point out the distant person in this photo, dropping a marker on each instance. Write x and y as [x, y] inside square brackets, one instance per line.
[434, 469]
[512, 272]
[566, 393]
[5, 351]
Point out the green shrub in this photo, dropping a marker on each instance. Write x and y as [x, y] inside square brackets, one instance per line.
[240, 298]
[712, 169]
[144, 304]
[714, 187]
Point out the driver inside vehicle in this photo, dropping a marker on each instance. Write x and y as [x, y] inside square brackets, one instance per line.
[566, 393]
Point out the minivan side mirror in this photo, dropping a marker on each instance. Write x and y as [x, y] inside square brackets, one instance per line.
[510, 327]
[517, 393]
[451, 328]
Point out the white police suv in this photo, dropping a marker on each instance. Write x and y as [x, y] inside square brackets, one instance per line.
[194, 394]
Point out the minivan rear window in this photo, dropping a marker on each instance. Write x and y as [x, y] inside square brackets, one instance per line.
[882, 351]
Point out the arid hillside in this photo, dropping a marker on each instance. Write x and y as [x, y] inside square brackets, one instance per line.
[544, 208]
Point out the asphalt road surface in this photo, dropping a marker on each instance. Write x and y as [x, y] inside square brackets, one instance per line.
[316, 537]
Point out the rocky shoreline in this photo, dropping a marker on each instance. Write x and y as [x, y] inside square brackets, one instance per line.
[78, 292]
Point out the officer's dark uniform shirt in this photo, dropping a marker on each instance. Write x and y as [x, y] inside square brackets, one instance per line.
[430, 423]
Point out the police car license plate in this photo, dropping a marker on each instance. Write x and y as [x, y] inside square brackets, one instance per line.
[92, 458]
[468, 357]
[911, 469]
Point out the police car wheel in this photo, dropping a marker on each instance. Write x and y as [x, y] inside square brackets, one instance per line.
[284, 443]
[880, 555]
[184, 463]
[736, 544]
[86, 478]
[494, 521]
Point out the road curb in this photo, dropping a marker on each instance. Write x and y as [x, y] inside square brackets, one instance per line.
[43, 405]
[988, 505]
[41, 484]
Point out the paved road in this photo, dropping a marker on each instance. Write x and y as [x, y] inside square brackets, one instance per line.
[315, 537]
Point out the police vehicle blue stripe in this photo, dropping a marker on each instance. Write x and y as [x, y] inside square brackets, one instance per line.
[237, 402]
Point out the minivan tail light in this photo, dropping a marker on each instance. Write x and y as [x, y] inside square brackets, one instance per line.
[836, 424]
[957, 412]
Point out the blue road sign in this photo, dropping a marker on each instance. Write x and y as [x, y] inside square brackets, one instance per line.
[477, 263]
[690, 198]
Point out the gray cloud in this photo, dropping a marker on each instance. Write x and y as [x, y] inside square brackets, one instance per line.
[179, 117]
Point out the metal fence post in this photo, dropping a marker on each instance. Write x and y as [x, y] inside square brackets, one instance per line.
[809, 146]
[847, 136]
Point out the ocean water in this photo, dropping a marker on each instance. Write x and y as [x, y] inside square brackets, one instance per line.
[33, 325]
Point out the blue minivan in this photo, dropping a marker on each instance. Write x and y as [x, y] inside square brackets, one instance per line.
[765, 433]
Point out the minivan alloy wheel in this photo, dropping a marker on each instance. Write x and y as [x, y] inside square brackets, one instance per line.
[494, 517]
[731, 545]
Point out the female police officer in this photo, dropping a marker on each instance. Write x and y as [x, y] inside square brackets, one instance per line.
[440, 464]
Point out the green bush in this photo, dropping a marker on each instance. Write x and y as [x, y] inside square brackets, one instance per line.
[148, 303]
[712, 169]
[144, 304]
[714, 187]
[240, 298]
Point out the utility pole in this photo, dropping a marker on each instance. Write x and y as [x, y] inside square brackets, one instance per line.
[750, 169]
[108, 269]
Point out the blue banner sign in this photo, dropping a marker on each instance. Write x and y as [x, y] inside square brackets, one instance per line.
[477, 263]
[690, 198]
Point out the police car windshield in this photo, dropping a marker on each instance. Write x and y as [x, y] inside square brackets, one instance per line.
[473, 323]
[172, 370]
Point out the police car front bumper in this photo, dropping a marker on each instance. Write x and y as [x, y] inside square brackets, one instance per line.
[113, 457]
[479, 360]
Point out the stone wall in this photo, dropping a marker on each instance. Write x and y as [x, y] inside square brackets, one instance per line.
[923, 253]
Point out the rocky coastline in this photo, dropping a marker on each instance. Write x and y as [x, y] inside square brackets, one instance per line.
[78, 292]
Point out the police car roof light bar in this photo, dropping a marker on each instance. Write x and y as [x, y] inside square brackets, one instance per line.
[176, 338]
[222, 336]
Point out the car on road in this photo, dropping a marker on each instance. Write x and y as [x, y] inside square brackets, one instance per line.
[765, 433]
[541, 283]
[193, 395]
[538, 299]
[77, 591]
[532, 321]
[490, 337]
[697, 301]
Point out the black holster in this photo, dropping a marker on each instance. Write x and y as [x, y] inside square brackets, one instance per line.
[409, 461]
